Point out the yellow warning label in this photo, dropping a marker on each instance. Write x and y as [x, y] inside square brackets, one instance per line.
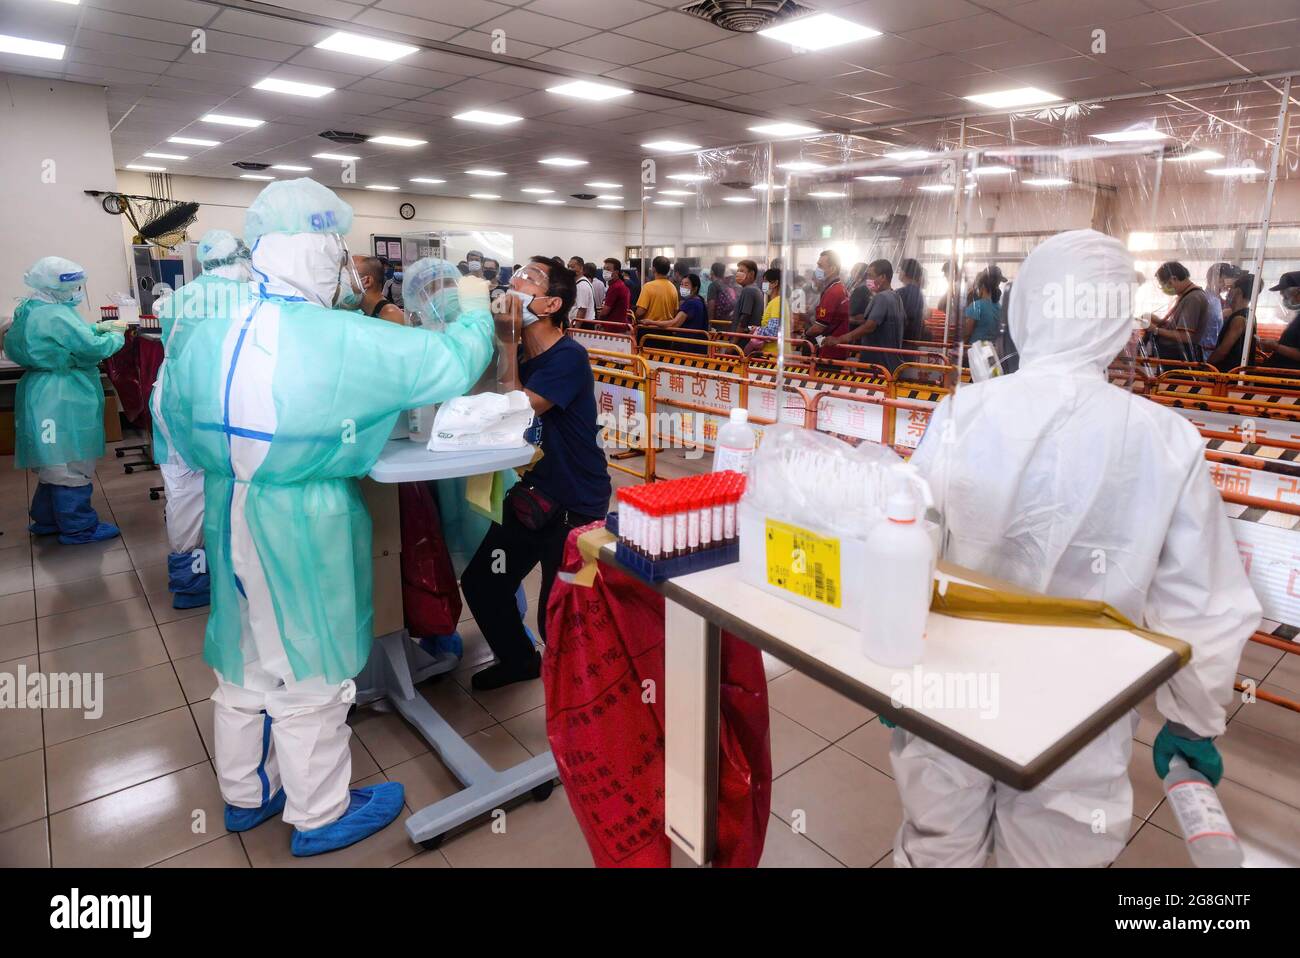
[803, 562]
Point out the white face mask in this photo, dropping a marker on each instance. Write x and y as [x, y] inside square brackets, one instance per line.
[684, 290]
[765, 288]
[605, 275]
[526, 299]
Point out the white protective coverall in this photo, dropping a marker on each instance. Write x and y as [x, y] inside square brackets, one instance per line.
[1058, 482]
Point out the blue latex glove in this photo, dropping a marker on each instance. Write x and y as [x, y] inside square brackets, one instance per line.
[1200, 753]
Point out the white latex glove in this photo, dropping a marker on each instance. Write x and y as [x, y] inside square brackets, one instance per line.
[473, 293]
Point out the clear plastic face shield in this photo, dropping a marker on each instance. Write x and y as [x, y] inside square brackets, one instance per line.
[349, 291]
[430, 293]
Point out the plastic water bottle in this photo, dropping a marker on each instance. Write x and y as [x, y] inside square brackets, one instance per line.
[896, 597]
[736, 441]
[1210, 839]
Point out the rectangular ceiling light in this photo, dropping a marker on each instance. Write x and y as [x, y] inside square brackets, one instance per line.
[272, 85]
[427, 179]
[1046, 181]
[669, 146]
[291, 169]
[144, 168]
[1145, 134]
[587, 90]
[360, 46]
[1249, 169]
[192, 141]
[487, 117]
[536, 189]
[907, 155]
[165, 156]
[396, 141]
[603, 185]
[480, 172]
[826, 195]
[740, 199]
[340, 157]
[668, 203]
[382, 186]
[676, 192]
[687, 177]
[484, 196]
[254, 176]
[562, 161]
[31, 48]
[552, 202]
[800, 166]
[818, 32]
[1021, 96]
[608, 206]
[878, 178]
[1196, 156]
[608, 196]
[245, 121]
[783, 129]
[993, 169]
[937, 187]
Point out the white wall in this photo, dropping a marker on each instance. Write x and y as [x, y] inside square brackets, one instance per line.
[551, 230]
[56, 144]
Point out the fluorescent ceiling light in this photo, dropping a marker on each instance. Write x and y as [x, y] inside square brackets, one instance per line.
[907, 155]
[608, 196]
[487, 117]
[878, 178]
[396, 141]
[552, 202]
[144, 168]
[1144, 134]
[602, 185]
[764, 187]
[484, 196]
[670, 146]
[165, 156]
[382, 186]
[1197, 156]
[482, 172]
[31, 48]
[608, 206]
[1021, 96]
[588, 90]
[826, 195]
[535, 189]
[427, 179]
[800, 166]
[676, 192]
[687, 177]
[562, 161]
[245, 121]
[1249, 169]
[818, 32]
[271, 85]
[360, 46]
[254, 176]
[937, 187]
[1047, 181]
[667, 203]
[192, 141]
[740, 199]
[341, 157]
[71, 3]
[783, 129]
[993, 170]
[291, 169]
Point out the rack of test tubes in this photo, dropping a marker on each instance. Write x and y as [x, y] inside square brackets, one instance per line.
[668, 529]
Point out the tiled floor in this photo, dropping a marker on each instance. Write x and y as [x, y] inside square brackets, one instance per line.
[137, 787]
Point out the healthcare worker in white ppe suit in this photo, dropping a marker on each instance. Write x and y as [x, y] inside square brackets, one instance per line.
[1060, 483]
[223, 258]
[284, 403]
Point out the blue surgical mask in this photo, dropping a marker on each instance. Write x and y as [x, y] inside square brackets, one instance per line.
[819, 274]
[526, 299]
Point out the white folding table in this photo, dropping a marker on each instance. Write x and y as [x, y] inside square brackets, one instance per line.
[397, 664]
[1015, 701]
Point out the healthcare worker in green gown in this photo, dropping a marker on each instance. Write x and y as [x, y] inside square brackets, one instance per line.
[223, 285]
[284, 404]
[59, 406]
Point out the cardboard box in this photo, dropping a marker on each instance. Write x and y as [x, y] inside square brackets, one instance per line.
[388, 594]
[112, 421]
[381, 502]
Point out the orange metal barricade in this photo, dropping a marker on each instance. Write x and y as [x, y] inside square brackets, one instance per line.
[622, 379]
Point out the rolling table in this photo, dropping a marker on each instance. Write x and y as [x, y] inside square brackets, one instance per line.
[397, 664]
[1019, 721]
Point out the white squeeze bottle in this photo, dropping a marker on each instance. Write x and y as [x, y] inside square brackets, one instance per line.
[1210, 839]
[896, 599]
[736, 442]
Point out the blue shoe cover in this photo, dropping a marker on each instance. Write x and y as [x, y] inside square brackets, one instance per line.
[242, 819]
[42, 511]
[189, 588]
[370, 809]
[76, 517]
[440, 644]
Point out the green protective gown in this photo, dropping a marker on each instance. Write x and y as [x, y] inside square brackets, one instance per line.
[338, 383]
[59, 407]
[180, 314]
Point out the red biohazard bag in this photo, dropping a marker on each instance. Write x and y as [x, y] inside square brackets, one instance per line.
[430, 596]
[604, 644]
[132, 371]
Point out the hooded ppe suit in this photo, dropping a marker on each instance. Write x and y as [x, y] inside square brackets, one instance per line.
[1060, 483]
[284, 403]
[59, 406]
[222, 285]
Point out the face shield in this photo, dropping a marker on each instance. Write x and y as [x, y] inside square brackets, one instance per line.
[57, 280]
[348, 287]
[430, 294]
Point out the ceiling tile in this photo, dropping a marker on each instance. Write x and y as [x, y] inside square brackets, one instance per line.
[475, 40]
[745, 50]
[180, 11]
[462, 13]
[219, 42]
[898, 16]
[677, 30]
[1227, 14]
[1275, 36]
[618, 50]
[956, 36]
[329, 8]
[606, 15]
[537, 29]
[256, 25]
[416, 28]
[1016, 53]
[747, 81]
[1055, 14]
[684, 66]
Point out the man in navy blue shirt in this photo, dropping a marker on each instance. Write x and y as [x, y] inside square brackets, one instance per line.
[568, 487]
